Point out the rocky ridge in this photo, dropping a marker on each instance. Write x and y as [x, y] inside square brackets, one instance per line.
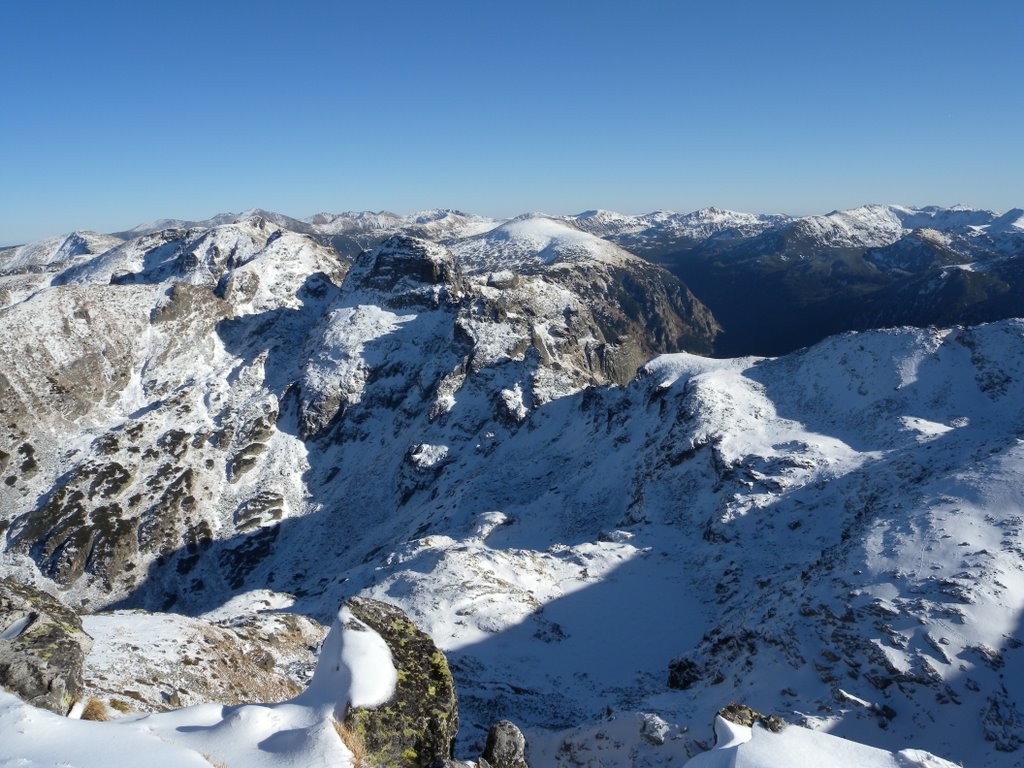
[462, 441]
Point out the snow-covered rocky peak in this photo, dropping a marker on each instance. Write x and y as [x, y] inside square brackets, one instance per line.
[959, 218]
[444, 224]
[874, 226]
[708, 222]
[54, 253]
[604, 223]
[252, 263]
[661, 229]
[533, 241]
[438, 224]
[339, 223]
[870, 226]
[214, 221]
[405, 272]
[1011, 221]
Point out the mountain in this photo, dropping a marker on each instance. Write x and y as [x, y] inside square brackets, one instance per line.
[663, 232]
[24, 269]
[350, 233]
[791, 282]
[513, 436]
[237, 343]
[215, 221]
[774, 283]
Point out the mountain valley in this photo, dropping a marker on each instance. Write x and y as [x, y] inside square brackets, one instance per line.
[622, 470]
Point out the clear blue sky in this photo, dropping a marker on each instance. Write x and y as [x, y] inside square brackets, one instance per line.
[115, 113]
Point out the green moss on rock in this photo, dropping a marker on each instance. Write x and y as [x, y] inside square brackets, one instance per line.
[418, 725]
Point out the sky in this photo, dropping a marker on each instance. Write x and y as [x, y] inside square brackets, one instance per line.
[117, 113]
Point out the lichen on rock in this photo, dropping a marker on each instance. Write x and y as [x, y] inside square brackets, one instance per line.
[418, 725]
[42, 647]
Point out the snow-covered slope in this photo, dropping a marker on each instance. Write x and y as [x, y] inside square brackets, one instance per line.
[532, 240]
[355, 669]
[866, 227]
[26, 268]
[697, 225]
[217, 221]
[741, 747]
[441, 224]
[661, 232]
[54, 253]
[875, 226]
[833, 536]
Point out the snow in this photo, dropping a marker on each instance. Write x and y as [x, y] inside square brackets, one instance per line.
[55, 253]
[355, 669]
[439, 224]
[870, 226]
[337, 364]
[741, 747]
[698, 225]
[15, 628]
[562, 545]
[532, 240]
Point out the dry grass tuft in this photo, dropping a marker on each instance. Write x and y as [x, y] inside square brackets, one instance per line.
[353, 741]
[120, 706]
[95, 710]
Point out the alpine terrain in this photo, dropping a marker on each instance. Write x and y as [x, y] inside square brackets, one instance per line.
[623, 471]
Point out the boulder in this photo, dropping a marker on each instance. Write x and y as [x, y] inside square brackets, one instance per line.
[42, 647]
[417, 726]
[505, 748]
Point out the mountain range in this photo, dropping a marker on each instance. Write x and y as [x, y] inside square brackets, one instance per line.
[624, 470]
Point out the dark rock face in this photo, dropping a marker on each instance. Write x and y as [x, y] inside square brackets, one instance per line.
[42, 647]
[407, 272]
[683, 673]
[505, 748]
[417, 727]
[635, 311]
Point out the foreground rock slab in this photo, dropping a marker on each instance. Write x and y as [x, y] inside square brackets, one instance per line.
[42, 647]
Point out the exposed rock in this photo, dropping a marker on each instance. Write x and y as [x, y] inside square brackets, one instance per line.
[741, 714]
[417, 727]
[683, 673]
[505, 748]
[407, 272]
[42, 647]
[1002, 722]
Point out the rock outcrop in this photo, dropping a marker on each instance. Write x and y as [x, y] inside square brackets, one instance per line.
[42, 647]
[741, 714]
[417, 727]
